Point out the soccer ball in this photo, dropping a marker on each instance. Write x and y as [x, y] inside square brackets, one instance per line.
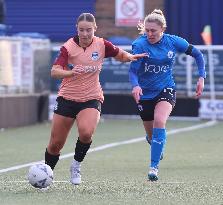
[40, 175]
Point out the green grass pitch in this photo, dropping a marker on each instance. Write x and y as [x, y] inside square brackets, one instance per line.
[190, 173]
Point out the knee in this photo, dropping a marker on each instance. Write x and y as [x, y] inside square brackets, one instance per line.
[85, 135]
[159, 123]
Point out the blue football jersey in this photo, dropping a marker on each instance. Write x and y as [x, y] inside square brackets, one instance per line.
[154, 73]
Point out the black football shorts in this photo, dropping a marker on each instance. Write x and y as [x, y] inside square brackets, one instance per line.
[69, 108]
[146, 107]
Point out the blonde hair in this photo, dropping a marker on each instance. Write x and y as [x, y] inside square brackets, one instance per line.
[156, 16]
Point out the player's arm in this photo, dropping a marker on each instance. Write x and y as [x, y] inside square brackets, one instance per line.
[183, 46]
[58, 72]
[119, 54]
[60, 63]
[133, 75]
[124, 56]
[198, 56]
[134, 67]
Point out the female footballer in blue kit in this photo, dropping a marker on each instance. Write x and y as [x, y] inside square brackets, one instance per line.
[152, 80]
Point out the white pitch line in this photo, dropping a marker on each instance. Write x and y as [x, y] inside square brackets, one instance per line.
[115, 144]
[152, 183]
[26, 181]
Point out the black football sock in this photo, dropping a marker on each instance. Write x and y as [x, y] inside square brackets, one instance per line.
[51, 160]
[81, 150]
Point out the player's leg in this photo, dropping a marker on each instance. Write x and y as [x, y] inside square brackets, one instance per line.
[148, 125]
[165, 102]
[87, 120]
[146, 112]
[63, 119]
[60, 129]
[161, 114]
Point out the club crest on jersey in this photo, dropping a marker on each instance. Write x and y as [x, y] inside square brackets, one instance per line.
[148, 54]
[170, 54]
[95, 56]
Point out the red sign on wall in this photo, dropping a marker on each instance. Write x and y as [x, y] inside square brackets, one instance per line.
[129, 12]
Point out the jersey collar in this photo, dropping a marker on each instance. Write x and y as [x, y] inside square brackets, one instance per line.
[76, 40]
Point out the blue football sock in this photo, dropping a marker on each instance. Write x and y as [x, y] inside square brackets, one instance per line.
[158, 142]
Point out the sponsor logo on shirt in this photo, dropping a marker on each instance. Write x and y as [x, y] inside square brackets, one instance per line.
[91, 69]
[95, 56]
[156, 68]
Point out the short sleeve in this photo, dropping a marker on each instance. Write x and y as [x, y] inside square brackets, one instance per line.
[180, 44]
[110, 49]
[62, 58]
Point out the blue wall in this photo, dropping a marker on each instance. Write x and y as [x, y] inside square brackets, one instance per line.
[56, 19]
[187, 18]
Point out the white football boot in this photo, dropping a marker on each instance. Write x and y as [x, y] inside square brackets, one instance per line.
[75, 171]
[153, 174]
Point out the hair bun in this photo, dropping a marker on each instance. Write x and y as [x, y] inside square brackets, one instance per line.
[157, 11]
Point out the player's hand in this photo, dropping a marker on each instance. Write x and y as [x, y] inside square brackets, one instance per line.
[137, 92]
[137, 56]
[200, 87]
[78, 69]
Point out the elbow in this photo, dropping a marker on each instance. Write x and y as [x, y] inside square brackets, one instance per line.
[196, 53]
[53, 73]
[122, 56]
